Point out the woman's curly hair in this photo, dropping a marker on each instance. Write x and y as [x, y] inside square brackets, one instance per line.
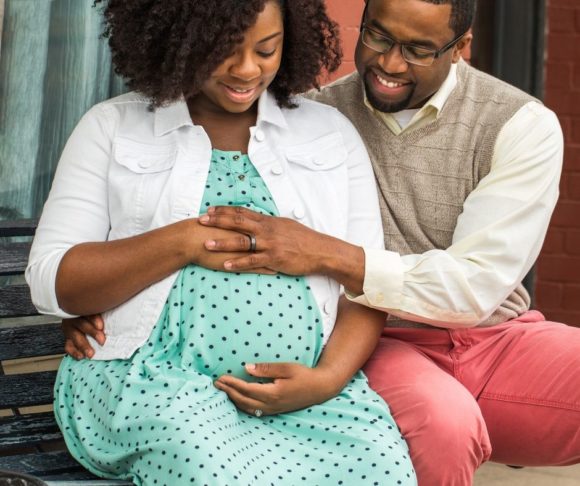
[168, 48]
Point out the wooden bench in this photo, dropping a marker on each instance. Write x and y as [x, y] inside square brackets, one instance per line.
[30, 441]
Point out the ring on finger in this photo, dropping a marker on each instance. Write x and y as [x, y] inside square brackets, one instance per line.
[252, 243]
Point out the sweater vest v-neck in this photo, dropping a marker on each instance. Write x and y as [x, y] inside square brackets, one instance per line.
[424, 175]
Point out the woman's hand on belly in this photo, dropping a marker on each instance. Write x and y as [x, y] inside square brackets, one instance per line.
[293, 387]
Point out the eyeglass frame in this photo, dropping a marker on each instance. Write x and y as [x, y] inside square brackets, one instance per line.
[436, 52]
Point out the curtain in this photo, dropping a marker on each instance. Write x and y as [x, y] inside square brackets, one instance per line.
[54, 66]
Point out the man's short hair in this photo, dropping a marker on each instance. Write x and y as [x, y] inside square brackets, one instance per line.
[462, 13]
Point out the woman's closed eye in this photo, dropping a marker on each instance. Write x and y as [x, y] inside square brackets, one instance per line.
[267, 53]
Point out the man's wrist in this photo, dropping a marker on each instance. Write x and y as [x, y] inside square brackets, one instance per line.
[345, 263]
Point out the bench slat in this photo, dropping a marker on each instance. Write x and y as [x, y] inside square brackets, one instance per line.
[45, 465]
[31, 341]
[27, 389]
[15, 301]
[28, 430]
[19, 227]
[13, 258]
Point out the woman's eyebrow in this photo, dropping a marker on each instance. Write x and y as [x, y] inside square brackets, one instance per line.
[266, 39]
[416, 42]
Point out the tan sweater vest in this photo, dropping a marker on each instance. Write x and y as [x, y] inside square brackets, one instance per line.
[425, 175]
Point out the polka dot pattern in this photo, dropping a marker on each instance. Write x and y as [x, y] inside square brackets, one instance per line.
[157, 419]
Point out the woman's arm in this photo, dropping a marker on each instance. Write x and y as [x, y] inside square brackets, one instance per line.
[295, 386]
[95, 277]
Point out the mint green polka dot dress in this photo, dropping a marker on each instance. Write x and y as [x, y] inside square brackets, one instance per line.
[157, 419]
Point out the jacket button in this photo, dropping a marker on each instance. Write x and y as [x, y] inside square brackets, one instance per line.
[277, 169]
[327, 307]
[298, 212]
[260, 136]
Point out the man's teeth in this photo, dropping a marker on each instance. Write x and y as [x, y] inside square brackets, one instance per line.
[388, 84]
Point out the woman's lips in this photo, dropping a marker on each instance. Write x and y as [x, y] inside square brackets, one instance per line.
[239, 95]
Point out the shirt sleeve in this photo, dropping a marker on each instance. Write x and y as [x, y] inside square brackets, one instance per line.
[76, 210]
[497, 239]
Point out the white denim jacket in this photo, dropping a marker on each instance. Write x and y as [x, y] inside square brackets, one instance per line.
[126, 170]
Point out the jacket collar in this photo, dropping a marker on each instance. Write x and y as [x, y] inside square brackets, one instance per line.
[176, 115]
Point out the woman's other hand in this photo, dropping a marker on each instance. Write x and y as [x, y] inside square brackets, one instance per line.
[75, 333]
[293, 387]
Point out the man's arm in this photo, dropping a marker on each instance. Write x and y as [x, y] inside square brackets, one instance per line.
[497, 239]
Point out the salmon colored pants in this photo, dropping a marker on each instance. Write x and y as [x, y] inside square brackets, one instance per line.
[508, 393]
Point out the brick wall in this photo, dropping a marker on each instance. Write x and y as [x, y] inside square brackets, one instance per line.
[558, 284]
[558, 276]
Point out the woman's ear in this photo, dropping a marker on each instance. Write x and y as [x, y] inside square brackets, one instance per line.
[460, 47]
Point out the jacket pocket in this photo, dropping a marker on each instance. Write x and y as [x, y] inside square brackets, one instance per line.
[324, 153]
[144, 158]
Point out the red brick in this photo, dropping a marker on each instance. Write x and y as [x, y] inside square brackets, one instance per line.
[347, 14]
[558, 315]
[571, 129]
[567, 215]
[561, 19]
[576, 73]
[558, 75]
[559, 268]
[554, 242]
[549, 295]
[563, 101]
[563, 3]
[563, 47]
[571, 158]
[571, 297]
[572, 242]
[573, 183]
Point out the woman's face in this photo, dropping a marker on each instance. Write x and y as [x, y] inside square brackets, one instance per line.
[239, 81]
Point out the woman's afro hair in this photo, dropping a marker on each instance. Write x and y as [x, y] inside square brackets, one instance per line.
[166, 49]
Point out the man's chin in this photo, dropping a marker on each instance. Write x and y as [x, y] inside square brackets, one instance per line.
[387, 106]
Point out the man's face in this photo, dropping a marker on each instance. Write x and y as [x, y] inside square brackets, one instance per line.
[392, 84]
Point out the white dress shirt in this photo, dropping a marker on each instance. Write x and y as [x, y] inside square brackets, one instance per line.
[126, 170]
[491, 249]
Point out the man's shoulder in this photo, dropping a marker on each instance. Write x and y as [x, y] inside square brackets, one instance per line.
[490, 88]
[343, 90]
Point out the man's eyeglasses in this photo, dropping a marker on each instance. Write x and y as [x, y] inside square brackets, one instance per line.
[413, 54]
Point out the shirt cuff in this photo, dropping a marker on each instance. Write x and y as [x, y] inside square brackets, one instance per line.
[383, 283]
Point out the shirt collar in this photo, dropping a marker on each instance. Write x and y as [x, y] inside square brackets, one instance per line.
[441, 96]
[176, 115]
[434, 105]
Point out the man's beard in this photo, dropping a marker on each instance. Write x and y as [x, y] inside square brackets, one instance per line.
[387, 106]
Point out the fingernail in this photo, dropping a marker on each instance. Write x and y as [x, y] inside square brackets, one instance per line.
[204, 218]
[228, 265]
[210, 244]
[211, 210]
[250, 366]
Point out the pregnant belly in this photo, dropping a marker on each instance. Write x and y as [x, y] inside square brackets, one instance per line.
[229, 320]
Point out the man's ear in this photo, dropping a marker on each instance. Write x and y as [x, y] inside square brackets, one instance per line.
[463, 44]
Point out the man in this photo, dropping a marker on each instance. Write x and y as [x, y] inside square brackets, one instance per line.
[467, 169]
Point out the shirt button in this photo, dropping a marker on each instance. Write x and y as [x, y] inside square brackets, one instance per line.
[236, 157]
[277, 169]
[144, 164]
[260, 136]
[327, 307]
[318, 161]
[298, 212]
[241, 177]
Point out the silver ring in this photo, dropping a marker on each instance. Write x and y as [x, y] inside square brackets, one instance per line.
[258, 413]
[252, 242]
